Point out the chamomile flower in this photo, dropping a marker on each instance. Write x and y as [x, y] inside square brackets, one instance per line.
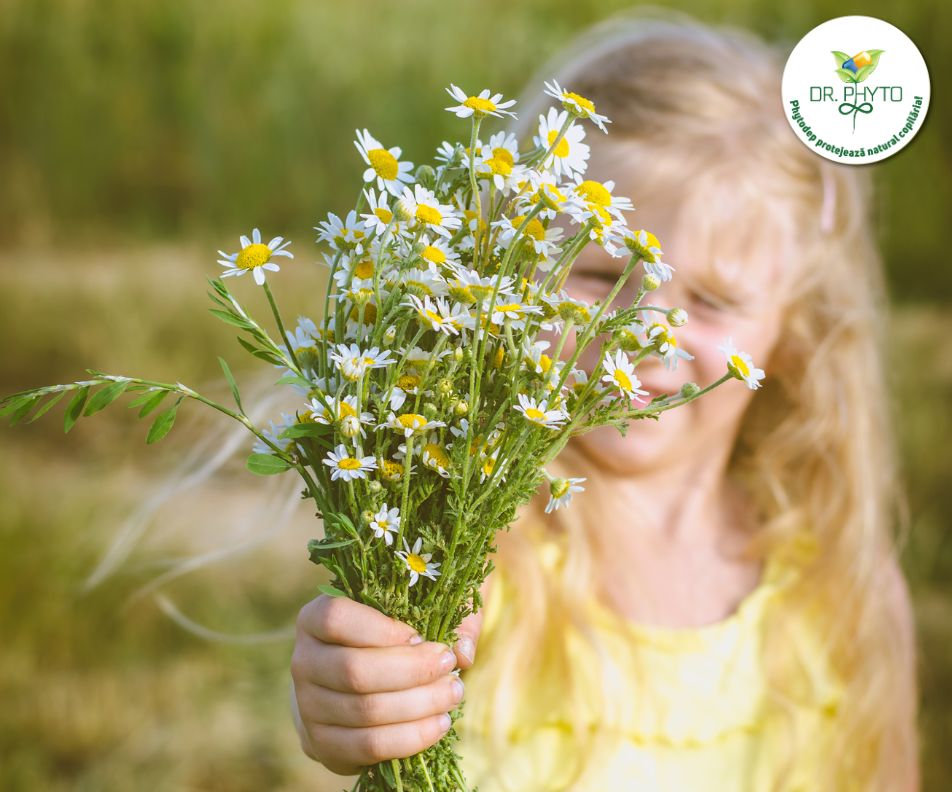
[621, 375]
[543, 188]
[487, 465]
[385, 166]
[418, 563]
[740, 364]
[385, 522]
[437, 315]
[338, 410]
[544, 241]
[354, 273]
[273, 433]
[570, 156]
[561, 491]
[418, 282]
[646, 246]
[666, 343]
[577, 105]
[407, 385]
[499, 161]
[594, 199]
[346, 234]
[347, 467]
[436, 458]
[481, 105]
[538, 413]
[409, 424]
[422, 205]
[254, 257]
[380, 214]
[513, 311]
[438, 253]
[468, 286]
[352, 361]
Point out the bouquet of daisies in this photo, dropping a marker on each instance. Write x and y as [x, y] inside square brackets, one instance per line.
[428, 403]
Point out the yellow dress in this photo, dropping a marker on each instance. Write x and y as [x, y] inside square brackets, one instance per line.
[702, 724]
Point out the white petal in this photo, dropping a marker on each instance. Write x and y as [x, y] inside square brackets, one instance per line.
[259, 275]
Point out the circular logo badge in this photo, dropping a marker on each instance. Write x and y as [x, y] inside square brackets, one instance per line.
[855, 89]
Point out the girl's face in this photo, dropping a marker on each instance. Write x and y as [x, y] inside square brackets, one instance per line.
[750, 311]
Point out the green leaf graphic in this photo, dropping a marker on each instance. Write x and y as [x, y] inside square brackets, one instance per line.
[841, 57]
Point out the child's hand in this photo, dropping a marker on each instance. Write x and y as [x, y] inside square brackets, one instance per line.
[364, 692]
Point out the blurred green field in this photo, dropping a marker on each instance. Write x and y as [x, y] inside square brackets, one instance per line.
[136, 138]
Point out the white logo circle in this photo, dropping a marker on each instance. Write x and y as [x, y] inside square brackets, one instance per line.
[855, 89]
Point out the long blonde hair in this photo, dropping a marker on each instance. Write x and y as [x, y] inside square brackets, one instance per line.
[816, 450]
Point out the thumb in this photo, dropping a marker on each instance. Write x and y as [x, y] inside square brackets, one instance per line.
[468, 631]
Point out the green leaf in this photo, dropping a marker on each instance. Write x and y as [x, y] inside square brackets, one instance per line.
[15, 401]
[306, 430]
[231, 382]
[163, 423]
[154, 400]
[294, 379]
[75, 408]
[318, 546]
[23, 408]
[261, 354]
[327, 588]
[105, 397]
[266, 464]
[846, 75]
[841, 57]
[43, 410]
[232, 319]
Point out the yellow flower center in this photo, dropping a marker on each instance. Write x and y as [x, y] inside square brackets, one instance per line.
[738, 363]
[581, 101]
[594, 192]
[364, 269]
[384, 163]
[488, 465]
[498, 358]
[622, 379]
[535, 414]
[434, 254]
[349, 463]
[411, 420]
[383, 214]
[479, 105]
[434, 317]
[535, 230]
[428, 214]
[418, 287]
[252, 256]
[344, 410]
[408, 381]
[562, 149]
[436, 455]
[391, 469]
[416, 563]
[545, 363]
[500, 166]
[509, 308]
[560, 487]
[370, 315]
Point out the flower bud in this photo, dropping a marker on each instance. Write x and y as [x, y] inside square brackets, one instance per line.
[426, 176]
[350, 426]
[367, 515]
[458, 354]
[390, 334]
[677, 317]
[461, 408]
[445, 386]
[650, 282]
[690, 389]
[375, 486]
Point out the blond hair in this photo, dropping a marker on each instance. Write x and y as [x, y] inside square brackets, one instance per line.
[815, 452]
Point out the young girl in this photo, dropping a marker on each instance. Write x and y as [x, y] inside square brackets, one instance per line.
[721, 608]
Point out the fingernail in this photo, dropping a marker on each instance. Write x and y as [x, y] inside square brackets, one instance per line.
[447, 660]
[466, 648]
[416, 639]
[458, 690]
[445, 722]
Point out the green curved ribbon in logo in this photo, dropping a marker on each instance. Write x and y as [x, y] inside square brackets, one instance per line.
[849, 107]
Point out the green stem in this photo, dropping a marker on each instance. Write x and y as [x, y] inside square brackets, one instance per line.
[284, 335]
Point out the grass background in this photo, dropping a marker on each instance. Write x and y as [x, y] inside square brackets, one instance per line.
[136, 138]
